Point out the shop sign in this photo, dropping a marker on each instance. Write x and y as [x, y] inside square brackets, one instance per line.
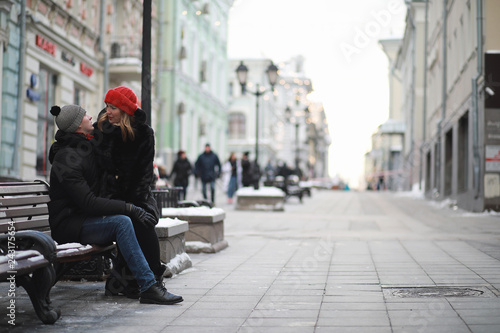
[45, 45]
[492, 153]
[68, 58]
[85, 69]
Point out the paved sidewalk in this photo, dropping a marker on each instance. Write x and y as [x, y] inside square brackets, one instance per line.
[339, 262]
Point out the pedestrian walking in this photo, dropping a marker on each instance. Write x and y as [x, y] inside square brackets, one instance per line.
[208, 169]
[182, 169]
[246, 173]
[231, 171]
[76, 214]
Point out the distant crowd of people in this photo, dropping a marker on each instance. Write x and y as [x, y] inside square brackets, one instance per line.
[235, 173]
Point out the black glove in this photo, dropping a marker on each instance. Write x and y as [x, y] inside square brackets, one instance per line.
[137, 214]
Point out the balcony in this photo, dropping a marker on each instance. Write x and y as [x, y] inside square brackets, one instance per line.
[125, 59]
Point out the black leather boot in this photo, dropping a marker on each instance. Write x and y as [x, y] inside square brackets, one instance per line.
[121, 285]
[158, 294]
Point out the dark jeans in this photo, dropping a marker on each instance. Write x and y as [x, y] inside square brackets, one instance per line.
[119, 228]
[232, 187]
[212, 189]
[181, 195]
[148, 241]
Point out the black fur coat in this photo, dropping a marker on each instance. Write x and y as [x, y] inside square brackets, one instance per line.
[127, 171]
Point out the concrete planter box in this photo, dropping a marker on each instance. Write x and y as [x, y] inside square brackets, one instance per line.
[206, 228]
[171, 234]
[265, 198]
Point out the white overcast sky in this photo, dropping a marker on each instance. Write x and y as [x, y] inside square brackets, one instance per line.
[339, 41]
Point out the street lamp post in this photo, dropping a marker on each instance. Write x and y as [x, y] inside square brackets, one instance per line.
[297, 145]
[272, 75]
[295, 121]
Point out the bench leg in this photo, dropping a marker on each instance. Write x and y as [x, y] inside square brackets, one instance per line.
[38, 288]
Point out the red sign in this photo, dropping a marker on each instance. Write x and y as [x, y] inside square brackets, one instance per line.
[45, 45]
[87, 70]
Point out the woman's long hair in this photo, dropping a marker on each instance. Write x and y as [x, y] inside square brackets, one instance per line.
[125, 125]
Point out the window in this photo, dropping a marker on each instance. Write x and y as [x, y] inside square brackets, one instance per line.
[463, 152]
[45, 125]
[78, 96]
[237, 126]
[437, 168]
[428, 172]
[448, 163]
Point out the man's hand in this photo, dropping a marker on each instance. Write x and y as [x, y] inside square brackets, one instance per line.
[137, 214]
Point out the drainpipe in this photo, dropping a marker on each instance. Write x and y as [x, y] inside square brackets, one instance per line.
[412, 103]
[424, 110]
[20, 88]
[172, 82]
[104, 53]
[443, 97]
[476, 162]
[159, 79]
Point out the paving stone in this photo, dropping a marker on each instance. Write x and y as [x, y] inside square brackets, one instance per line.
[304, 270]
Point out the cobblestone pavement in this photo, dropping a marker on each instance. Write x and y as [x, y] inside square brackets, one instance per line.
[338, 262]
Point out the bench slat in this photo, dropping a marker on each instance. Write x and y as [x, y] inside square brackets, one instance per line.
[36, 223]
[34, 188]
[24, 212]
[23, 266]
[22, 201]
[81, 253]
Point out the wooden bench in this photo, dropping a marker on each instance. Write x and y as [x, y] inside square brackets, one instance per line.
[292, 188]
[28, 255]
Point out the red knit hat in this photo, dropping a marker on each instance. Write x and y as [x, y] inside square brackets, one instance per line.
[123, 98]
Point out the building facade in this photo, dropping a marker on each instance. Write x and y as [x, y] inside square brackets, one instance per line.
[51, 57]
[58, 52]
[461, 161]
[409, 65]
[384, 163]
[292, 129]
[451, 101]
[192, 78]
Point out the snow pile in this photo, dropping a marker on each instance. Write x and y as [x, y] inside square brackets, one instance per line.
[18, 255]
[72, 246]
[197, 247]
[264, 191]
[177, 264]
[192, 211]
[166, 222]
[37, 258]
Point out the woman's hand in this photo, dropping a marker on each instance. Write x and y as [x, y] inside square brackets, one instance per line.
[139, 215]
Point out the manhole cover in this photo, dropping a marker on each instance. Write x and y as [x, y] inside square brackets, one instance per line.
[434, 292]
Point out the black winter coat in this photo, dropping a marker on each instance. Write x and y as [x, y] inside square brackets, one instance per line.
[182, 169]
[208, 166]
[127, 171]
[74, 187]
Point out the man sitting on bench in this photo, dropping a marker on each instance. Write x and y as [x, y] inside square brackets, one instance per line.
[77, 214]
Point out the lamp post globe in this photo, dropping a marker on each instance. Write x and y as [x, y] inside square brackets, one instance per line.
[242, 74]
[272, 74]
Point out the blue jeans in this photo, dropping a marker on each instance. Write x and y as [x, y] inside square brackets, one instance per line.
[232, 187]
[119, 228]
[212, 189]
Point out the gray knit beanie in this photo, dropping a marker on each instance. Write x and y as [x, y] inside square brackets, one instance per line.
[69, 117]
